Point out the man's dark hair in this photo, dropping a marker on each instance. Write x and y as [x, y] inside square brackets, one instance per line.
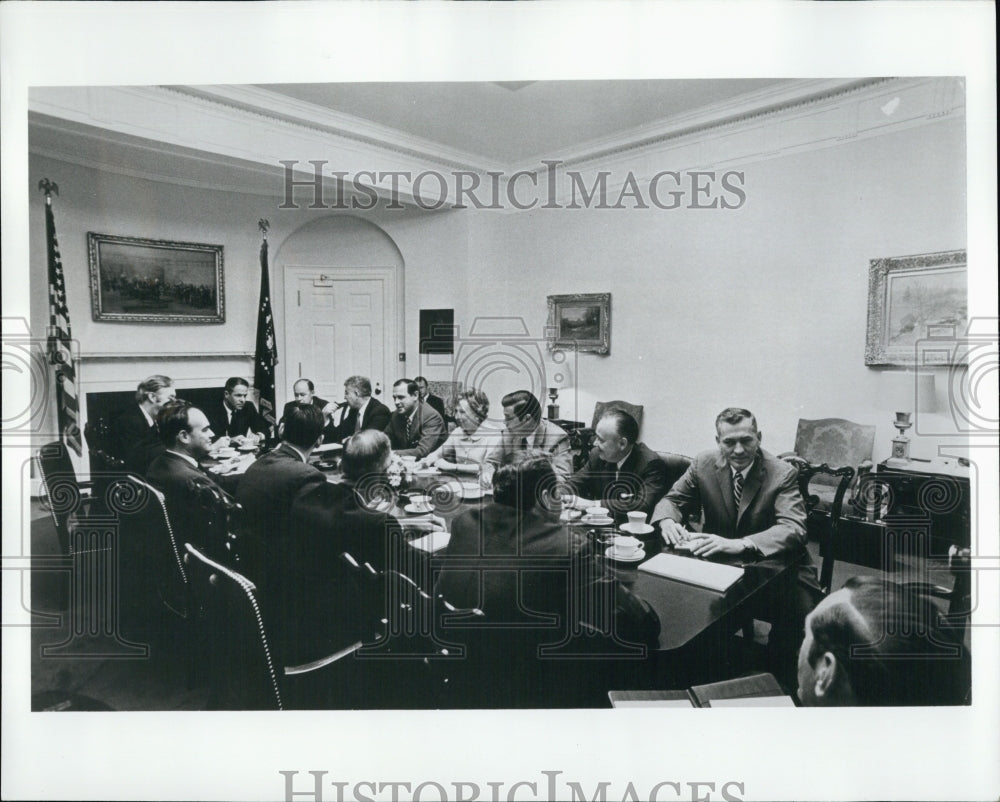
[411, 386]
[308, 382]
[889, 642]
[172, 419]
[525, 479]
[152, 384]
[625, 424]
[733, 415]
[235, 381]
[303, 425]
[523, 403]
[420, 380]
[361, 384]
[364, 453]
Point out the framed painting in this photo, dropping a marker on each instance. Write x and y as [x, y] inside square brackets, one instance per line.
[915, 302]
[581, 322]
[155, 281]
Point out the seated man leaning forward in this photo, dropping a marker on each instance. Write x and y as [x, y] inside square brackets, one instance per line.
[414, 429]
[472, 440]
[875, 643]
[526, 430]
[752, 508]
[621, 473]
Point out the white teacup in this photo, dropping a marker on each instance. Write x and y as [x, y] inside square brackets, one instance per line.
[636, 519]
[597, 512]
[626, 546]
[420, 502]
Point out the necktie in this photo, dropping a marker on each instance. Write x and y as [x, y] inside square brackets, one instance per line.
[407, 431]
[524, 443]
[737, 488]
[357, 422]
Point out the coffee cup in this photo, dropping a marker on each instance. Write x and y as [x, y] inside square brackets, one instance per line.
[636, 519]
[625, 546]
[597, 512]
[420, 502]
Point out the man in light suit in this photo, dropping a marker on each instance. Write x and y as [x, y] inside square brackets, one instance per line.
[187, 437]
[414, 428]
[363, 411]
[267, 491]
[752, 509]
[525, 430]
[621, 473]
[134, 436]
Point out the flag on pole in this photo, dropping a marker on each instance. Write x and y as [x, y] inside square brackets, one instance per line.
[266, 356]
[60, 337]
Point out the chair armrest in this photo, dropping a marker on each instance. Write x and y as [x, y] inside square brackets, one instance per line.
[787, 454]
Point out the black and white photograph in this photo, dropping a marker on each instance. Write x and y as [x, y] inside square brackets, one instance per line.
[321, 473]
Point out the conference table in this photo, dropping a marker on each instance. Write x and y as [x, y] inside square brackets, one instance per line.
[694, 620]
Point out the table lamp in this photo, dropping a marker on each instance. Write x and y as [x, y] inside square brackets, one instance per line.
[559, 378]
[901, 443]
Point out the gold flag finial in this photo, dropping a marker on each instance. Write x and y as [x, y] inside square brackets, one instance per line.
[48, 187]
[263, 225]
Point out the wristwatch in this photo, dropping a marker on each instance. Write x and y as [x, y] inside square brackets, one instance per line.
[748, 545]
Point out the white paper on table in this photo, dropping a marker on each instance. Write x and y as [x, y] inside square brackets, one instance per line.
[713, 576]
[655, 703]
[435, 541]
[327, 447]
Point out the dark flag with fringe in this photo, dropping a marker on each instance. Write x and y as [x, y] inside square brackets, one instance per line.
[60, 338]
[266, 356]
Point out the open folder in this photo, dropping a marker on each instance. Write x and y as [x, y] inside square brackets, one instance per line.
[713, 576]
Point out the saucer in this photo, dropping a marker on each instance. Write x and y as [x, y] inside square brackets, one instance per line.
[415, 510]
[610, 552]
[570, 515]
[633, 529]
[605, 521]
[247, 448]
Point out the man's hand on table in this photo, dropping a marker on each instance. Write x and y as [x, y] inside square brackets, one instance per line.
[675, 534]
[704, 545]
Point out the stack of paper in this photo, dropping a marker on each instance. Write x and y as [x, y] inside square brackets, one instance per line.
[435, 541]
[695, 572]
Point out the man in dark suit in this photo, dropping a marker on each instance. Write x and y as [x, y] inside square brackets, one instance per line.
[266, 492]
[436, 402]
[133, 432]
[621, 474]
[187, 438]
[752, 509]
[524, 430]
[362, 411]
[414, 428]
[326, 612]
[235, 418]
[304, 393]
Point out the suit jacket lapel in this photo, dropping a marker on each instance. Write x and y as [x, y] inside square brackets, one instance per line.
[751, 486]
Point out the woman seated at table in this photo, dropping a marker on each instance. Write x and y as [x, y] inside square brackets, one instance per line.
[467, 446]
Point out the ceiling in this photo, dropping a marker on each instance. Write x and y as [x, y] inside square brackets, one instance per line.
[513, 122]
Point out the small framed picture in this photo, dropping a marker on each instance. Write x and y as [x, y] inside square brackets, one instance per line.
[155, 281]
[917, 305]
[581, 322]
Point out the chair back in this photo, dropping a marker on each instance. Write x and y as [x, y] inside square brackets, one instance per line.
[242, 670]
[217, 515]
[448, 392]
[63, 491]
[677, 464]
[635, 410]
[834, 441]
[150, 559]
[97, 433]
[825, 529]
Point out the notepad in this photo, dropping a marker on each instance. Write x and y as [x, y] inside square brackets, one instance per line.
[435, 541]
[327, 447]
[713, 576]
[753, 701]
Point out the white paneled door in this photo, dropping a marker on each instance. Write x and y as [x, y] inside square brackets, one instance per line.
[339, 322]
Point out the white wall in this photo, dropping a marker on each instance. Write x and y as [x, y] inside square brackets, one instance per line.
[763, 307]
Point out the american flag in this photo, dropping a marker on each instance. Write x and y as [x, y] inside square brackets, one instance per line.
[267, 347]
[60, 339]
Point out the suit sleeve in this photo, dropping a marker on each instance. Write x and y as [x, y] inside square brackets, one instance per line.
[432, 434]
[788, 533]
[683, 499]
[580, 481]
[258, 423]
[380, 418]
[653, 479]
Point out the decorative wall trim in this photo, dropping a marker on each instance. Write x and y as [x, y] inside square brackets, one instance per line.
[164, 356]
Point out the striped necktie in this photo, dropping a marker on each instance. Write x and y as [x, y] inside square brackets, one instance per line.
[737, 488]
[407, 431]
